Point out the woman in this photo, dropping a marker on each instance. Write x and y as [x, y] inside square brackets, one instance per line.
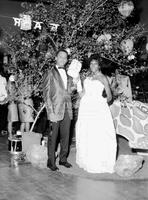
[95, 134]
[12, 106]
[25, 105]
[120, 86]
[130, 116]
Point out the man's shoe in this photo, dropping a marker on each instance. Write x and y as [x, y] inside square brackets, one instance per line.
[52, 167]
[65, 164]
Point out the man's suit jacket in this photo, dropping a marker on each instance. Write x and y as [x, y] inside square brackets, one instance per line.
[55, 95]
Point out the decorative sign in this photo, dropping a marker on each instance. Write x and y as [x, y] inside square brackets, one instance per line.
[38, 25]
[25, 22]
[17, 21]
[54, 26]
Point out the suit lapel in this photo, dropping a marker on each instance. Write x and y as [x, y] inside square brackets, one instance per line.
[67, 79]
[59, 78]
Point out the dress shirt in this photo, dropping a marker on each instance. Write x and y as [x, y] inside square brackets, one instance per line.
[63, 76]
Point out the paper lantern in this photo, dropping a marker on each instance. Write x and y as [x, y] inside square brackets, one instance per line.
[74, 68]
[107, 36]
[104, 37]
[127, 46]
[48, 55]
[131, 57]
[89, 54]
[5, 59]
[125, 8]
[68, 50]
[95, 36]
[146, 47]
[108, 45]
[12, 78]
[25, 22]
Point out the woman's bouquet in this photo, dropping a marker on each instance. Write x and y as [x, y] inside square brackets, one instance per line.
[73, 71]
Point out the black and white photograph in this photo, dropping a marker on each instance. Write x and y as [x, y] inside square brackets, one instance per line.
[73, 99]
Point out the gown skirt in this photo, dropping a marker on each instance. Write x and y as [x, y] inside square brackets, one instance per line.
[96, 144]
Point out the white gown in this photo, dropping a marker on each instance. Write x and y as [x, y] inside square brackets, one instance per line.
[95, 134]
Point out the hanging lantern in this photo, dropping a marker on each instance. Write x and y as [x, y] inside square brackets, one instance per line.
[127, 46]
[131, 57]
[108, 46]
[12, 78]
[125, 8]
[107, 36]
[146, 47]
[89, 54]
[25, 22]
[5, 59]
[68, 51]
[103, 38]
[48, 55]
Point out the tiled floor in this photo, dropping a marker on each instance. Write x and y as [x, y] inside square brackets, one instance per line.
[26, 182]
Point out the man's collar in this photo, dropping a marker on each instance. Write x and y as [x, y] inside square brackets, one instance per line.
[59, 67]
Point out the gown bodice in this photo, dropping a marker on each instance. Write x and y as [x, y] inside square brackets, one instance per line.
[93, 88]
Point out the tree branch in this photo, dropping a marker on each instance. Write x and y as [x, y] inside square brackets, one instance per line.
[41, 109]
[93, 12]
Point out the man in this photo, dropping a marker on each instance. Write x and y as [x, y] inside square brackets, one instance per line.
[56, 94]
[3, 102]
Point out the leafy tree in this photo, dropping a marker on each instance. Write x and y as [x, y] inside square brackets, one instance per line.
[79, 27]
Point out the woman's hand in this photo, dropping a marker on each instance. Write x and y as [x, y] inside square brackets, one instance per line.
[107, 89]
[76, 80]
[81, 94]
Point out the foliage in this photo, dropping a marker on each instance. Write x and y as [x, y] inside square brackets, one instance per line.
[80, 25]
